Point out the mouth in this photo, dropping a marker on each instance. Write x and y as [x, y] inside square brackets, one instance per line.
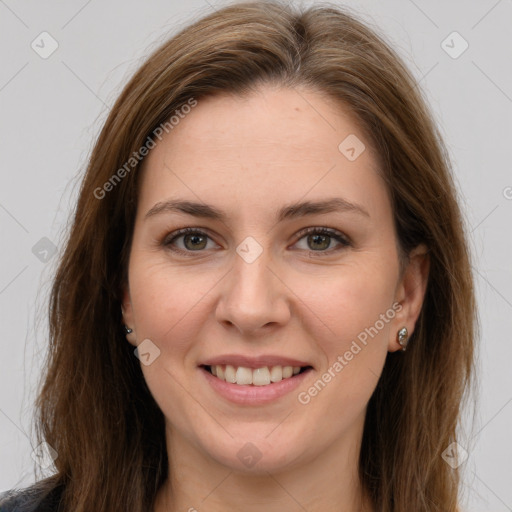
[254, 384]
[263, 376]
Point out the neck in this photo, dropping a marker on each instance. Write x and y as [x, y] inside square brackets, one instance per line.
[327, 483]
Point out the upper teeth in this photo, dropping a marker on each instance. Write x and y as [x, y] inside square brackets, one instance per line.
[258, 377]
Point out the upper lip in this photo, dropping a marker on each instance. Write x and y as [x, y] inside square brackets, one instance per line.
[253, 362]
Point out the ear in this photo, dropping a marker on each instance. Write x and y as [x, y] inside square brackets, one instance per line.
[410, 293]
[128, 317]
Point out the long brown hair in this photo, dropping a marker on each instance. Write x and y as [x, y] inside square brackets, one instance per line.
[94, 407]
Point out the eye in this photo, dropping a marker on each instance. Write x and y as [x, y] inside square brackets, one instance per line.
[319, 239]
[195, 240]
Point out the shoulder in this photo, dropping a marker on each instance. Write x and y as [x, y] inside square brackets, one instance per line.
[39, 497]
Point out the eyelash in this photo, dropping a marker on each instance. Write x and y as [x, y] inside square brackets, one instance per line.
[332, 233]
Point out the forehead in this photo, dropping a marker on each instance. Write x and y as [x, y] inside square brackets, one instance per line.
[270, 144]
[293, 118]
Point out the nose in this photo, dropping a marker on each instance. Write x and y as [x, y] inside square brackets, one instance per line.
[254, 296]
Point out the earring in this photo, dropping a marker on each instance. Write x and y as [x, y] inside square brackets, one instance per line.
[130, 335]
[402, 338]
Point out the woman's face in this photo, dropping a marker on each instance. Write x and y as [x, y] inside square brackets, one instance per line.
[250, 293]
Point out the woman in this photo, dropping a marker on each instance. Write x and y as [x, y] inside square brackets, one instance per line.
[265, 299]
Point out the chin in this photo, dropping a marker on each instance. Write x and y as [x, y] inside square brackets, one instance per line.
[255, 454]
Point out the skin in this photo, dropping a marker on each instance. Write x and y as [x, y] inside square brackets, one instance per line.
[249, 156]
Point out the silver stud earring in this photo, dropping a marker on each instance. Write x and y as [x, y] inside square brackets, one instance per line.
[403, 337]
[128, 330]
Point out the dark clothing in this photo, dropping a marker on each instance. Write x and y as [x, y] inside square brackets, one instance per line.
[31, 499]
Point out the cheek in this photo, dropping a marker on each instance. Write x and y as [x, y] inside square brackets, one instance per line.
[347, 302]
[167, 305]
[170, 308]
[356, 313]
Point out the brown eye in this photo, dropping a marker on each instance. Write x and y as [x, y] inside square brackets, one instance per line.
[194, 240]
[320, 240]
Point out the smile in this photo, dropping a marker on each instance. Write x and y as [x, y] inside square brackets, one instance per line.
[246, 386]
[263, 376]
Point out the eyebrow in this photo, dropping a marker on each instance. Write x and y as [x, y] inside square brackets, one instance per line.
[291, 211]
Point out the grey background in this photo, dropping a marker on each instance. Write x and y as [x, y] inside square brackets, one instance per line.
[52, 109]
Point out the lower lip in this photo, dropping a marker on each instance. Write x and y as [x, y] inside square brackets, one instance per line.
[254, 395]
